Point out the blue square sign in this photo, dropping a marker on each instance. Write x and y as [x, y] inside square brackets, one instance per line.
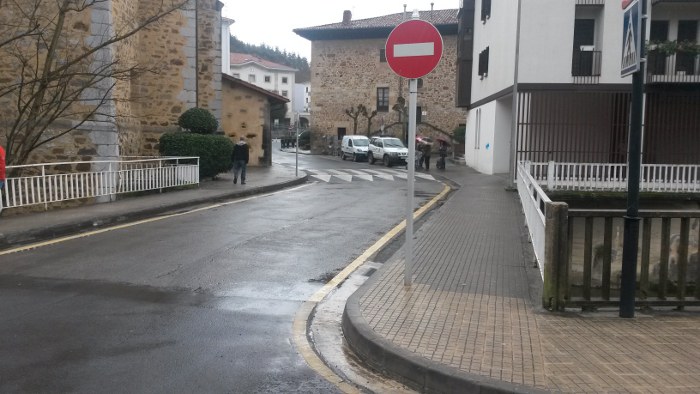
[631, 39]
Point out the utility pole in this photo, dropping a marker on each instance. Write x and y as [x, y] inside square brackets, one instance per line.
[628, 285]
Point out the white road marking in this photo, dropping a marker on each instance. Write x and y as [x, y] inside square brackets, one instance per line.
[324, 178]
[144, 221]
[416, 49]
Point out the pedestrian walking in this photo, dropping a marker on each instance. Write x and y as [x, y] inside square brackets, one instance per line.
[2, 167]
[240, 160]
[442, 150]
[426, 148]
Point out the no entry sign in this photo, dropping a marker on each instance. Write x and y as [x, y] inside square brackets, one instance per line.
[413, 48]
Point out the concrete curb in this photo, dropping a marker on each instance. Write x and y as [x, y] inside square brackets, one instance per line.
[407, 367]
[41, 234]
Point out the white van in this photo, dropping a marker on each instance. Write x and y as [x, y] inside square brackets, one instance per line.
[354, 146]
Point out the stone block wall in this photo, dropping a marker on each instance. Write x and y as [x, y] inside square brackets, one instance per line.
[244, 114]
[144, 102]
[345, 73]
[209, 56]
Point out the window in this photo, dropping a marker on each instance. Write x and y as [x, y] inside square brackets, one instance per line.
[687, 32]
[382, 55]
[656, 61]
[382, 99]
[267, 78]
[285, 93]
[485, 10]
[659, 31]
[419, 83]
[419, 114]
[284, 80]
[484, 63]
[583, 52]
[251, 78]
[237, 75]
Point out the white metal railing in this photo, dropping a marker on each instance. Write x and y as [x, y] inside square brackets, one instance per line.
[669, 178]
[534, 202]
[672, 68]
[47, 183]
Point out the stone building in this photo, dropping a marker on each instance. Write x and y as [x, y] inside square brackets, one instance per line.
[275, 77]
[348, 68]
[181, 57]
[246, 113]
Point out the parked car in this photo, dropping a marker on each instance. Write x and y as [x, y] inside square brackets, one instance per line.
[354, 146]
[389, 150]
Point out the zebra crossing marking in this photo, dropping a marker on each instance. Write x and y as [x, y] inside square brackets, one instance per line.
[367, 175]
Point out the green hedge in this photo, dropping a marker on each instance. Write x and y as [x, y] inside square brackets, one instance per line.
[214, 151]
[198, 120]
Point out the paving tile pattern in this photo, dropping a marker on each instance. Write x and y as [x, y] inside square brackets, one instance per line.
[470, 308]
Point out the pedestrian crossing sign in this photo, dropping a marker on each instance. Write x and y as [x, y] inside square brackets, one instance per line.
[631, 39]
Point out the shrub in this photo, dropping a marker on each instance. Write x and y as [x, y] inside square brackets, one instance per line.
[198, 120]
[458, 134]
[214, 151]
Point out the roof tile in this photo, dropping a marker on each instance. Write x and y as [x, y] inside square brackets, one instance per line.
[436, 17]
[238, 59]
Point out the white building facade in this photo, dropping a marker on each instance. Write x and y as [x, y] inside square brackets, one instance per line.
[544, 82]
[276, 78]
[302, 102]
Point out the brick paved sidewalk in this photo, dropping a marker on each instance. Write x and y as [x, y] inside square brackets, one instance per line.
[472, 317]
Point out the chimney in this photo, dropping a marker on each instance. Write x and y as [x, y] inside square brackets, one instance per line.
[347, 17]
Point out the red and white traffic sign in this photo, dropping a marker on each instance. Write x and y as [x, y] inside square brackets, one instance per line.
[414, 48]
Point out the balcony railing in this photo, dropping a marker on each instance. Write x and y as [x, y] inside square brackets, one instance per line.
[585, 66]
[579, 252]
[674, 68]
[590, 2]
[654, 178]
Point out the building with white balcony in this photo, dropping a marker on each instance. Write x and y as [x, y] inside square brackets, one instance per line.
[302, 102]
[541, 80]
[274, 77]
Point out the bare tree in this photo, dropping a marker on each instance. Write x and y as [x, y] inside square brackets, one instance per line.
[60, 80]
[354, 113]
[369, 115]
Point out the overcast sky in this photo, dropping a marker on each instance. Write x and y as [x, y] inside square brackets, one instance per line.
[272, 21]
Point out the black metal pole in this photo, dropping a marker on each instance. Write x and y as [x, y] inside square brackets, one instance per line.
[628, 285]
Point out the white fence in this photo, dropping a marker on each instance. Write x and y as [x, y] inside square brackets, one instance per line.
[667, 178]
[47, 183]
[534, 202]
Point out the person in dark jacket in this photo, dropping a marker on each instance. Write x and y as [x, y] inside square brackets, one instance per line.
[426, 148]
[2, 167]
[240, 160]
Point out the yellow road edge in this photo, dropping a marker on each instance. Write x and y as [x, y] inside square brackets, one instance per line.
[304, 313]
[139, 222]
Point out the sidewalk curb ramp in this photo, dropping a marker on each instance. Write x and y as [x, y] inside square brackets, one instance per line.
[407, 367]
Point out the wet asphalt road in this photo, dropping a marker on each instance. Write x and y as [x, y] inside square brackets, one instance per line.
[202, 302]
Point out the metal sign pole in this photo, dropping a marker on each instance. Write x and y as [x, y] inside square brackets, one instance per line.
[411, 167]
[296, 154]
[628, 280]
